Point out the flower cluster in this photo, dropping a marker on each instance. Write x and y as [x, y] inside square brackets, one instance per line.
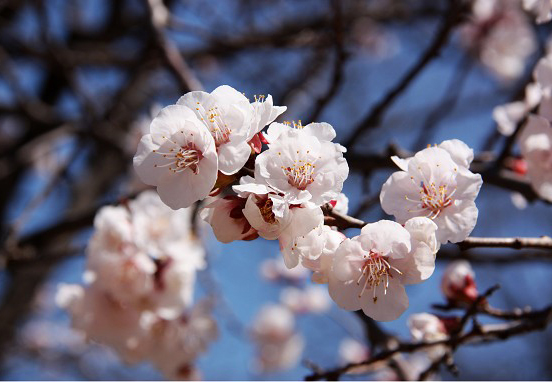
[141, 266]
[283, 191]
[204, 133]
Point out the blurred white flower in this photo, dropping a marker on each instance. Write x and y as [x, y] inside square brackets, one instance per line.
[178, 156]
[541, 8]
[436, 183]
[279, 347]
[102, 319]
[352, 351]
[177, 343]
[276, 270]
[536, 148]
[369, 271]
[311, 299]
[500, 35]
[458, 283]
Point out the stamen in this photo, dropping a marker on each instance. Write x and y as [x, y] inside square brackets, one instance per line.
[376, 270]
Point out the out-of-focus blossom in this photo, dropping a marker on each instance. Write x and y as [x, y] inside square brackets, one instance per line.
[518, 200]
[144, 255]
[425, 327]
[499, 33]
[458, 283]
[352, 351]
[276, 270]
[536, 148]
[369, 271]
[178, 156]
[102, 319]
[541, 8]
[312, 299]
[177, 343]
[435, 183]
[227, 115]
[279, 347]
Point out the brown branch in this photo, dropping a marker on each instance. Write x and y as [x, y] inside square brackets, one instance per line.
[506, 242]
[477, 335]
[339, 65]
[159, 17]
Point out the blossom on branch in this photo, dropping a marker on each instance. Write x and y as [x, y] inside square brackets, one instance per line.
[227, 116]
[458, 283]
[435, 183]
[178, 156]
[369, 271]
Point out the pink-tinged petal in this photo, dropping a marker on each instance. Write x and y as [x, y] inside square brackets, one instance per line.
[458, 222]
[418, 265]
[401, 163]
[459, 151]
[170, 120]
[233, 157]
[387, 306]
[468, 184]
[348, 260]
[397, 194]
[323, 131]
[181, 190]
[386, 237]
[145, 160]
[345, 294]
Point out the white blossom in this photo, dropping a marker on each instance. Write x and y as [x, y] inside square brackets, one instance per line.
[458, 283]
[144, 255]
[106, 321]
[352, 351]
[499, 33]
[311, 299]
[314, 250]
[225, 215]
[436, 183]
[536, 148]
[425, 327]
[369, 271]
[178, 342]
[302, 163]
[279, 347]
[264, 113]
[178, 156]
[228, 115]
[276, 270]
[541, 8]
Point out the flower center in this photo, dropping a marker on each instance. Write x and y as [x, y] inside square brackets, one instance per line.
[216, 125]
[300, 174]
[183, 157]
[376, 270]
[433, 199]
[266, 211]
